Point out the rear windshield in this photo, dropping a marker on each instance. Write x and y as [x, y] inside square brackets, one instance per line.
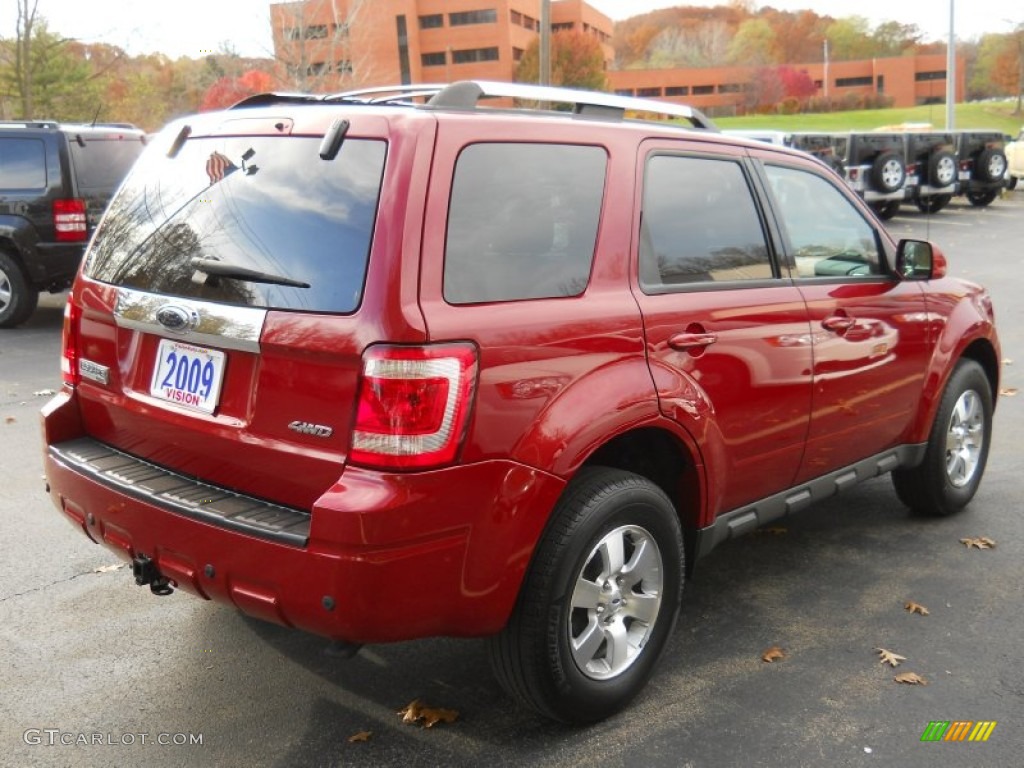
[101, 163]
[265, 205]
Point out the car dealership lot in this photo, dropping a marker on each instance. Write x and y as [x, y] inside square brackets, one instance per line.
[100, 672]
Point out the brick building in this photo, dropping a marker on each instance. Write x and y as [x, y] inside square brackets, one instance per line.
[330, 44]
[906, 80]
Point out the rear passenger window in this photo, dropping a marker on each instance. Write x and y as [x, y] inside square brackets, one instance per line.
[828, 236]
[522, 222]
[699, 224]
[22, 164]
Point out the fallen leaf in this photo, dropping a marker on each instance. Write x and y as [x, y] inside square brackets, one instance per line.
[910, 678]
[981, 542]
[773, 654]
[44, 393]
[109, 568]
[1008, 392]
[416, 712]
[9, 420]
[361, 736]
[916, 608]
[890, 658]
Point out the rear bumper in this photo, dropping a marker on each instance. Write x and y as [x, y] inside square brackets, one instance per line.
[380, 557]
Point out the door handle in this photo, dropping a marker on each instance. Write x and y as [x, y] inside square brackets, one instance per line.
[683, 341]
[838, 324]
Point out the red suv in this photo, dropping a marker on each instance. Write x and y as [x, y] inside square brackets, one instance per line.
[381, 369]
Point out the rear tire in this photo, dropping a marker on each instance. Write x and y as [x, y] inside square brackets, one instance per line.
[599, 601]
[933, 204]
[17, 298]
[957, 450]
[980, 199]
[886, 210]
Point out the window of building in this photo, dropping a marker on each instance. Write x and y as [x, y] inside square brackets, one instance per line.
[527, 232]
[517, 18]
[563, 27]
[531, 23]
[850, 82]
[623, 91]
[438, 59]
[677, 90]
[700, 224]
[316, 32]
[470, 55]
[517, 54]
[432, 21]
[464, 18]
[925, 76]
[648, 93]
[730, 88]
[703, 90]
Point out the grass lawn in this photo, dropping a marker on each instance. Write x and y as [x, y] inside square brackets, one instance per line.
[990, 115]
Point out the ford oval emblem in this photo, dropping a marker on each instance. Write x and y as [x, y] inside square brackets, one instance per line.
[176, 319]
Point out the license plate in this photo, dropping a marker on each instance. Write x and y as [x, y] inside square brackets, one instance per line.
[187, 375]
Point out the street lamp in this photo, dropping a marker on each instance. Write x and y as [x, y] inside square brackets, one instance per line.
[951, 74]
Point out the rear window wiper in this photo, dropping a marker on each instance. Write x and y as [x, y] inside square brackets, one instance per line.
[225, 269]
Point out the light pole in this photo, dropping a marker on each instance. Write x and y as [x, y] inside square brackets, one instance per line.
[545, 43]
[951, 74]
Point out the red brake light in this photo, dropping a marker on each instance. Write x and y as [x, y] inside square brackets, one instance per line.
[69, 220]
[69, 343]
[413, 406]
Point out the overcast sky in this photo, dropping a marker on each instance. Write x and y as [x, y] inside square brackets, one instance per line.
[194, 27]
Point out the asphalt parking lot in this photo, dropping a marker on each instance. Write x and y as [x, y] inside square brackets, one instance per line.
[99, 672]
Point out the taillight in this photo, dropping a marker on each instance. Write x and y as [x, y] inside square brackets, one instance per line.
[69, 220]
[413, 406]
[69, 343]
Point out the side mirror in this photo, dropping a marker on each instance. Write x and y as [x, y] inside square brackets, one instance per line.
[919, 260]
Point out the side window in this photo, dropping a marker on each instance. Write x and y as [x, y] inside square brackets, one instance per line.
[828, 236]
[22, 164]
[522, 221]
[699, 224]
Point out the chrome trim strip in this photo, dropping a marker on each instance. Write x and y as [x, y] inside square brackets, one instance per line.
[217, 325]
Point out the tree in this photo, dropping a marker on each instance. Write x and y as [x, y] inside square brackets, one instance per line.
[894, 39]
[754, 44]
[850, 38]
[325, 45]
[576, 61]
[230, 90]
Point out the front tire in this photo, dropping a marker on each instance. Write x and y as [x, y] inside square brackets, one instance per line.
[599, 601]
[957, 450]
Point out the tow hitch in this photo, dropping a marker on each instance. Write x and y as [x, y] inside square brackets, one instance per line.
[145, 572]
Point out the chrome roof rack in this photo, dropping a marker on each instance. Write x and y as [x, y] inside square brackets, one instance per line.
[466, 94]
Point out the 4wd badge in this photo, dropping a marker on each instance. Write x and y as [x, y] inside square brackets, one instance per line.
[315, 430]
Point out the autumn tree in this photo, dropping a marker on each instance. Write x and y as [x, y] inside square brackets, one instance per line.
[577, 61]
[325, 45]
[230, 90]
[754, 44]
[850, 38]
[891, 38]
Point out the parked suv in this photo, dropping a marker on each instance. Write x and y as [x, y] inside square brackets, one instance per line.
[982, 165]
[1014, 150]
[55, 182]
[932, 166]
[381, 370]
[876, 168]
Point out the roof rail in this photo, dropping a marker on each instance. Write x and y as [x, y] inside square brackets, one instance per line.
[466, 94]
[30, 123]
